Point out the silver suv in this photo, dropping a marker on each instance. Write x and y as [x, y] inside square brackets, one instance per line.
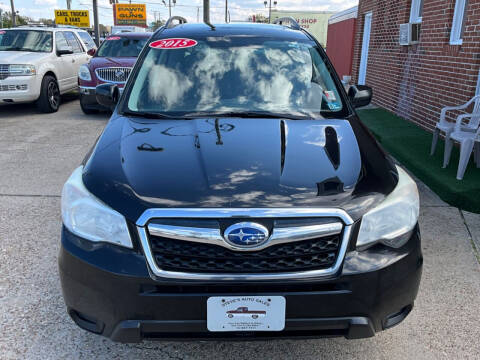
[40, 64]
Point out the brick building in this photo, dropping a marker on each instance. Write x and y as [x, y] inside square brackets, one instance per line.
[341, 40]
[439, 67]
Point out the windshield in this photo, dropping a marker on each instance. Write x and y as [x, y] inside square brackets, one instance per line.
[25, 40]
[117, 46]
[235, 75]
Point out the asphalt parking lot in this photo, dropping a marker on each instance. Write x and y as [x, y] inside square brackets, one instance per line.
[37, 154]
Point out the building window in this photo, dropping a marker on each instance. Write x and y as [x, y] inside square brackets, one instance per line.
[458, 25]
[417, 11]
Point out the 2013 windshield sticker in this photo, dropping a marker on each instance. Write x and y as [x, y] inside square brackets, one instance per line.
[173, 43]
[114, 38]
[2, 32]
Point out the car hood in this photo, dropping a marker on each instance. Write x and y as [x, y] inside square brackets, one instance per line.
[99, 62]
[22, 57]
[230, 163]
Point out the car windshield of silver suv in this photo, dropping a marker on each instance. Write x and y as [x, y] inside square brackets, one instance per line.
[26, 40]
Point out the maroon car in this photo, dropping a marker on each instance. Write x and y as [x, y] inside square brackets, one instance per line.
[111, 63]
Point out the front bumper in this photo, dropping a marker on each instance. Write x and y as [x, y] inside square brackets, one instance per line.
[20, 89]
[108, 290]
[88, 97]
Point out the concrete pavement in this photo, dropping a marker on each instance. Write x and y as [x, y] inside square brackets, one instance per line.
[37, 154]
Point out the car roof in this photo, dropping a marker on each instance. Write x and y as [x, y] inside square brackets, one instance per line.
[135, 35]
[252, 29]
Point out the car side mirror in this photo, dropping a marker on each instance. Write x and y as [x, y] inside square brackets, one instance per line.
[91, 51]
[360, 95]
[66, 50]
[107, 95]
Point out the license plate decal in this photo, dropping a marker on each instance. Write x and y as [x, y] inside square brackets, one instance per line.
[246, 313]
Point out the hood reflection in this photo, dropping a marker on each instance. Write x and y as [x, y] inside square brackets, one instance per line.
[228, 162]
[235, 162]
[217, 127]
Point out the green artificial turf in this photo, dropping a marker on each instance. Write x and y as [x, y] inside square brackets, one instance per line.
[410, 145]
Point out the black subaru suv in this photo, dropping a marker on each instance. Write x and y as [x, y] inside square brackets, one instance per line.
[235, 193]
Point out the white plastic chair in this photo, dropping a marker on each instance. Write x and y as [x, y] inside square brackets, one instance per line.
[469, 140]
[447, 127]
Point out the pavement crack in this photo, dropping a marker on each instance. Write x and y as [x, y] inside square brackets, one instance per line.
[474, 246]
[30, 195]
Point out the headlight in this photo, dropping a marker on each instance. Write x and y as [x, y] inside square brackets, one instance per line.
[84, 73]
[86, 216]
[392, 221]
[21, 70]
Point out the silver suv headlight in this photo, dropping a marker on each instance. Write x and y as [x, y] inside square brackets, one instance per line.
[392, 221]
[86, 216]
[21, 70]
[84, 73]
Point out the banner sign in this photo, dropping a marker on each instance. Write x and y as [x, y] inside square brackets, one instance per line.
[130, 14]
[80, 18]
[314, 22]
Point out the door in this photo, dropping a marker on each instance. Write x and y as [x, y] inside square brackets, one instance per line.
[63, 63]
[78, 58]
[362, 74]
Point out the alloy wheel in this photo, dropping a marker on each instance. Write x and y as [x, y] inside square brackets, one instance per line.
[53, 95]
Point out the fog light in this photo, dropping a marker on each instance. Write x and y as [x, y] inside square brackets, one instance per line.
[86, 322]
[396, 318]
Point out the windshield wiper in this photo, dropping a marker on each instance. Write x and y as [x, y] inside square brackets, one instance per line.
[150, 115]
[251, 115]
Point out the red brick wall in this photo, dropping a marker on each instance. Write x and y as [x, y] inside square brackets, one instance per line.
[416, 81]
[340, 42]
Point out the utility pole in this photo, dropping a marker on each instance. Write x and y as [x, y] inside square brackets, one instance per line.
[1, 19]
[157, 16]
[270, 9]
[69, 4]
[96, 25]
[226, 11]
[14, 15]
[270, 13]
[169, 6]
[198, 15]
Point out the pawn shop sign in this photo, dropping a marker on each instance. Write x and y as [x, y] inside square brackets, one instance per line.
[130, 14]
[80, 18]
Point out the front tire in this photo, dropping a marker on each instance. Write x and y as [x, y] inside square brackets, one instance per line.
[49, 100]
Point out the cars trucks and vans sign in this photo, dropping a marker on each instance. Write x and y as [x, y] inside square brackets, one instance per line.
[315, 23]
[130, 14]
[80, 18]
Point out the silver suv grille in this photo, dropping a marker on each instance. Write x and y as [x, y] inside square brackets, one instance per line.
[117, 75]
[4, 71]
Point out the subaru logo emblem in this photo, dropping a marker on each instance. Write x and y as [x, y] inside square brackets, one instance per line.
[246, 235]
[119, 74]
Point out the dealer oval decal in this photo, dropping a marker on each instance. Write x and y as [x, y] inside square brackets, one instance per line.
[173, 43]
